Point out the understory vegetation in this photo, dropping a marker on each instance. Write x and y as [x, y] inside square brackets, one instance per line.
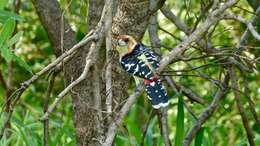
[221, 64]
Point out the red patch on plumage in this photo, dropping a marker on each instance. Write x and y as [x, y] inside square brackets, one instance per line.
[146, 82]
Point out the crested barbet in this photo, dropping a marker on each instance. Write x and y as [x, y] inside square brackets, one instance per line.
[142, 62]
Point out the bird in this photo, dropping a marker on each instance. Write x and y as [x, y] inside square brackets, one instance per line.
[142, 63]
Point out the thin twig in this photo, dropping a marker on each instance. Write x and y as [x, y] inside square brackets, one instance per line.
[89, 63]
[12, 105]
[120, 116]
[190, 111]
[153, 31]
[167, 12]
[249, 24]
[45, 107]
[202, 43]
[56, 62]
[213, 17]
[2, 80]
[245, 35]
[27, 83]
[90, 59]
[207, 113]
[162, 118]
[155, 41]
[250, 101]
[184, 90]
[151, 115]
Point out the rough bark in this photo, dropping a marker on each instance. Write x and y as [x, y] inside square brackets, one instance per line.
[126, 21]
[89, 94]
[85, 96]
[85, 119]
[50, 17]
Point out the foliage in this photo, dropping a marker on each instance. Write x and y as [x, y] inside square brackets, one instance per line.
[27, 45]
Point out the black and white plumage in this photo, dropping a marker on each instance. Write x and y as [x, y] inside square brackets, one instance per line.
[142, 62]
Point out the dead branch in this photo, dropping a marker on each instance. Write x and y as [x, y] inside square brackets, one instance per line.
[11, 108]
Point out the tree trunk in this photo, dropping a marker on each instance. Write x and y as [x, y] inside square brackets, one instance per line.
[89, 96]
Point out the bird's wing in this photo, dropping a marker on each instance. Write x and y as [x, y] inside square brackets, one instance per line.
[150, 58]
[137, 67]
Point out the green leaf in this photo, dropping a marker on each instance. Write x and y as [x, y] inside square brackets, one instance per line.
[209, 136]
[14, 39]
[5, 15]
[121, 140]
[22, 63]
[3, 3]
[134, 131]
[6, 54]
[22, 133]
[7, 31]
[149, 136]
[180, 123]
[199, 137]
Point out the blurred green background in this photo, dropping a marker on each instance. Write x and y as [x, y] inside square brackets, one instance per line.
[33, 50]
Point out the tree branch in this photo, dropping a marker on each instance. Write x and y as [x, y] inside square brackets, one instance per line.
[245, 35]
[250, 101]
[206, 45]
[51, 17]
[197, 34]
[45, 107]
[154, 39]
[207, 113]
[120, 116]
[69, 87]
[108, 73]
[235, 88]
[162, 118]
[213, 17]
[90, 59]
[249, 24]
[184, 90]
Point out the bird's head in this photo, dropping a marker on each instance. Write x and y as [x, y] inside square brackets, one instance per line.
[125, 44]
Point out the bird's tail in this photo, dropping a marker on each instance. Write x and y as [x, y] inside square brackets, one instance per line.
[156, 93]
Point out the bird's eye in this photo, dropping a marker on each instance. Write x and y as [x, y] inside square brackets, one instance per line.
[122, 42]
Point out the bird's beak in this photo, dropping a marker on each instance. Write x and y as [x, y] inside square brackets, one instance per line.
[121, 42]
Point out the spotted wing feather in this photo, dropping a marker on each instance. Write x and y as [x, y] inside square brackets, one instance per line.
[133, 65]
